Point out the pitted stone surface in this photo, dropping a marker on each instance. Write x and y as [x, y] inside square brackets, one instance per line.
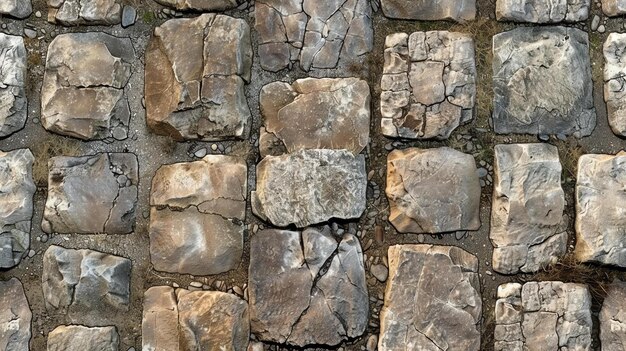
[83, 87]
[87, 286]
[81, 338]
[542, 11]
[317, 114]
[194, 87]
[432, 190]
[84, 12]
[320, 34]
[16, 205]
[527, 228]
[15, 316]
[16, 8]
[307, 288]
[201, 5]
[428, 84]
[423, 311]
[614, 73]
[527, 63]
[197, 213]
[613, 318]
[613, 7]
[91, 194]
[13, 103]
[600, 205]
[310, 186]
[547, 315]
[430, 10]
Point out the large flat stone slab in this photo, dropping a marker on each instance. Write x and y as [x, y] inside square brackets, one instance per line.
[13, 102]
[196, 215]
[81, 12]
[307, 288]
[613, 7]
[613, 318]
[527, 61]
[310, 186]
[423, 311]
[201, 5]
[527, 229]
[428, 84]
[432, 190]
[194, 88]
[81, 338]
[430, 10]
[16, 8]
[614, 72]
[542, 11]
[15, 316]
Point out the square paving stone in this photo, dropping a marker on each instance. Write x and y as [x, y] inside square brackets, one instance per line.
[15, 316]
[542, 11]
[81, 338]
[430, 10]
[542, 82]
[81, 12]
[614, 72]
[13, 102]
[613, 318]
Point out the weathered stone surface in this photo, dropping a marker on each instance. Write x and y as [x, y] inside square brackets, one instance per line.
[310, 186]
[90, 287]
[16, 205]
[194, 87]
[600, 205]
[613, 318]
[429, 10]
[83, 86]
[432, 190]
[319, 34]
[15, 316]
[542, 11]
[543, 316]
[91, 194]
[201, 320]
[428, 84]
[81, 12]
[613, 7]
[80, 338]
[13, 103]
[527, 229]
[197, 213]
[614, 72]
[527, 63]
[307, 288]
[16, 8]
[201, 5]
[423, 311]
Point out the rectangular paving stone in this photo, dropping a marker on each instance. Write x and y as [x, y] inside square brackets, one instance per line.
[614, 72]
[77, 12]
[81, 338]
[542, 11]
[13, 101]
[15, 316]
[613, 318]
[430, 10]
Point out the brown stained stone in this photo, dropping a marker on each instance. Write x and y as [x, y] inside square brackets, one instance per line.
[613, 7]
[84, 12]
[81, 338]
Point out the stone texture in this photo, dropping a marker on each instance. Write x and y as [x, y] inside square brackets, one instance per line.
[543, 316]
[432, 190]
[91, 194]
[600, 205]
[614, 72]
[16, 205]
[15, 316]
[613, 7]
[16, 8]
[85, 12]
[83, 86]
[194, 88]
[80, 338]
[13, 103]
[310, 186]
[428, 84]
[317, 114]
[613, 318]
[89, 287]
[201, 5]
[527, 227]
[527, 63]
[542, 11]
[180, 320]
[307, 288]
[320, 34]
[423, 311]
[430, 10]
[196, 216]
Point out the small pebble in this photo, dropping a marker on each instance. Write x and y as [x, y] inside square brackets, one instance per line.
[372, 342]
[200, 153]
[31, 253]
[380, 272]
[38, 14]
[196, 284]
[601, 28]
[30, 33]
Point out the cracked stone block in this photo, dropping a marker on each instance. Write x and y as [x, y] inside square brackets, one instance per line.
[16, 8]
[614, 72]
[423, 311]
[307, 288]
[548, 315]
[194, 88]
[201, 5]
[197, 211]
[600, 207]
[613, 7]
[527, 227]
[89, 287]
[83, 92]
[81, 338]
[13, 102]
[613, 318]
[85, 12]
[91, 194]
[542, 11]
[430, 10]
[432, 190]
[317, 114]
[15, 316]
[428, 87]
[180, 320]
[527, 61]
[309, 187]
[320, 34]
[16, 205]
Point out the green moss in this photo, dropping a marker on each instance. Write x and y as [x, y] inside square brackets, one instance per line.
[148, 17]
